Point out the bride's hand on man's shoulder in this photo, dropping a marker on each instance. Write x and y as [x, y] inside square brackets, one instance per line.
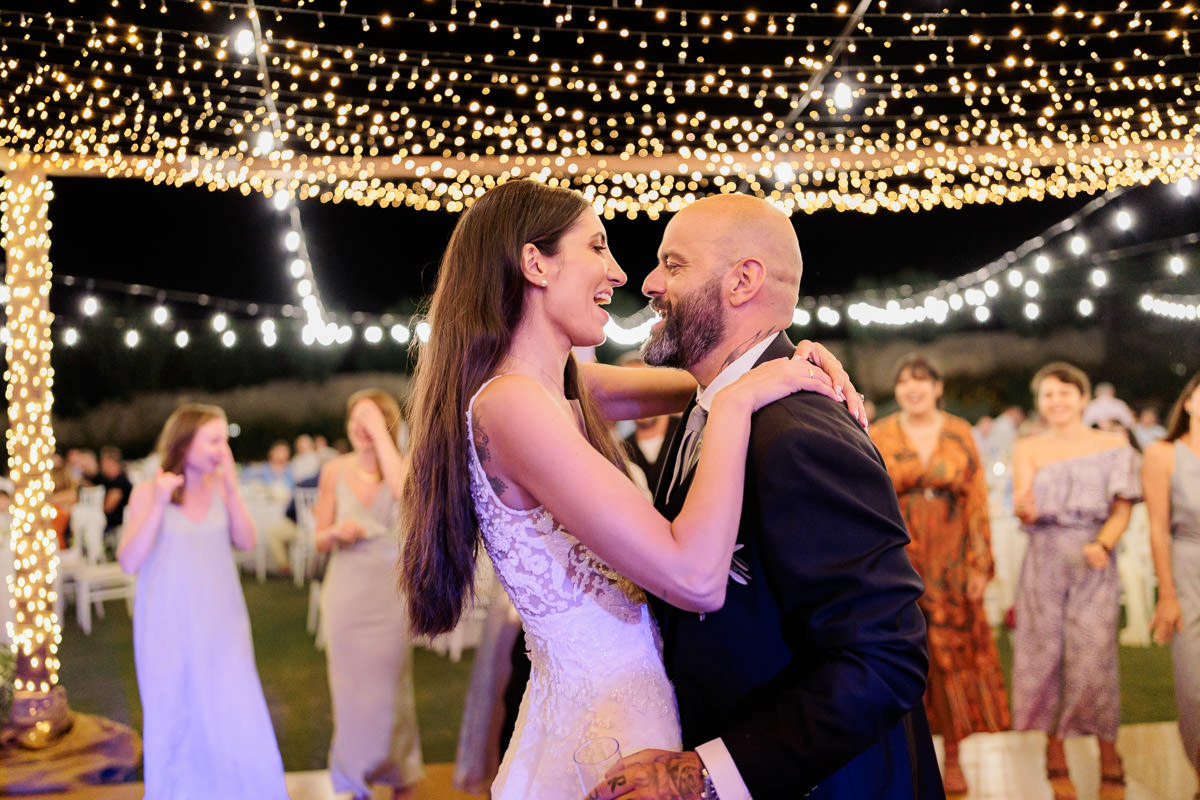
[771, 380]
[653, 775]
[834, 380]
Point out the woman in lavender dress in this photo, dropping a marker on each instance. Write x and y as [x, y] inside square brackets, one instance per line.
[1074, 489]
[205, 724]
[1171, 480]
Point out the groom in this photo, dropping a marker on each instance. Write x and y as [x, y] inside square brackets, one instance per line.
[810, 678]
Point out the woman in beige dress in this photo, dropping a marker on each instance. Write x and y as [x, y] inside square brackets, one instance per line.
[368, 644]
[1171, 483]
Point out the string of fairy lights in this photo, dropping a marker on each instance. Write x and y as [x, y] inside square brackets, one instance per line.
[639, 107]
[34, 630]
[881, 107]
[1021, 274]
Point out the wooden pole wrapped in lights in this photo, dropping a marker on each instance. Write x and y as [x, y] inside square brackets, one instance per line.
[39, 708]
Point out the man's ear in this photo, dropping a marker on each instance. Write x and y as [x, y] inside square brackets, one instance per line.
[747, 277]
[533, 265]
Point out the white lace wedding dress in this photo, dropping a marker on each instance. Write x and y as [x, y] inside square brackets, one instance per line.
[596, 656]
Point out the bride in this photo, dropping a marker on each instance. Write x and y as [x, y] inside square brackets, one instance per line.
[510, 438]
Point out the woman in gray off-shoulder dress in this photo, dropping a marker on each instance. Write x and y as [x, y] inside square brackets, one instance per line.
[1171, 481]
[1074, 490]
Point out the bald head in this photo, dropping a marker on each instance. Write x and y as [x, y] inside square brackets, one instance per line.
[733, 227]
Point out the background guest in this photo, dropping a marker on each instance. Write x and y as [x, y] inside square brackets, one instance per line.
[205, 724]
[63, 495]
[1107, 407]
[117, 487]
[932, 460]
[1147, 430]
[306, 462]
[275, 474]
[276, 471]
[368, 644]
[1074, 489]
[84, 466]
[647, 444]
[325, 453]
[1171, 482]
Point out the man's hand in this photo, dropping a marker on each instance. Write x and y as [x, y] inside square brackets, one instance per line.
[653, 775]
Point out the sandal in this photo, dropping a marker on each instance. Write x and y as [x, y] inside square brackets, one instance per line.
[1112, 786]
[1060, 783]
[954, 782]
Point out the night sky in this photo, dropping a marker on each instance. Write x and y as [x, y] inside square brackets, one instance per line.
[375, 259]
[384, 261]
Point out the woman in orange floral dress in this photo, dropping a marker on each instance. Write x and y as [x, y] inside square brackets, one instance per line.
[939, 479]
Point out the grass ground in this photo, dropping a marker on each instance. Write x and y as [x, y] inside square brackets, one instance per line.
[98, 673]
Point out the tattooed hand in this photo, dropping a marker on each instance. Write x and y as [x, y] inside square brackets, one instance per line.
[653, 775]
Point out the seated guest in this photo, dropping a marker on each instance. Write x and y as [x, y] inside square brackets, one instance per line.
[84, 468]
[306, 462]
[275, 474]
[276, 471]
[117, 487]
[63, 494]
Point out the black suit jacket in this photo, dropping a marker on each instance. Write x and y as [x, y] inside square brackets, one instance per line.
[813, 671]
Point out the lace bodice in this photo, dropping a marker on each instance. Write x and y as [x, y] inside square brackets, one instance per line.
[543, 567]
[596, 659]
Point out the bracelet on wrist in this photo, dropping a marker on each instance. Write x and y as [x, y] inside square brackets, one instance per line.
[707, 790]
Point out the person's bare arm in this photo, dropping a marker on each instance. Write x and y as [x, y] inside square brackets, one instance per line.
[637, 392]
[1156, 491]
[143, 518]
[523, 437]
[1024, 468]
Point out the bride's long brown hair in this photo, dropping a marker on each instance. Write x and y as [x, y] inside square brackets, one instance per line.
[477, 303]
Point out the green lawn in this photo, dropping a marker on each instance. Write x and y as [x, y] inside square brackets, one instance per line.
[1147, 681]
[99, 676]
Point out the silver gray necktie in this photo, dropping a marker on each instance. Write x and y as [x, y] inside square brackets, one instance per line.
[689, 448]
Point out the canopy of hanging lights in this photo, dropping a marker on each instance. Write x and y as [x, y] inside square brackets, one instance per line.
[640, 105]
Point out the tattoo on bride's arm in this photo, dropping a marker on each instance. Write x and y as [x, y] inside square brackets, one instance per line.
[485, 455]
[741, 347]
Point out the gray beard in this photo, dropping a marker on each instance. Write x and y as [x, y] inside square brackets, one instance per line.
[693, 327]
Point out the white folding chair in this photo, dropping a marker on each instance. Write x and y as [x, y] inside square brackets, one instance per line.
[304, 547]
[95, 579]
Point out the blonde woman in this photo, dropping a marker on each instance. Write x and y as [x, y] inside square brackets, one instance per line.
[368, 644]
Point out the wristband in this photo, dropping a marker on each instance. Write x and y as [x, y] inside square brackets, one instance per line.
[707, 790]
